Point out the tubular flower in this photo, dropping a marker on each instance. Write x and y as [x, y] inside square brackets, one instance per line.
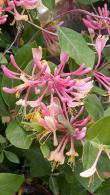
[51, 41]
[71, 153]
[28, 82]
[99, 46]
[49, 118]
[57, 156]
[104, 81]
[91, 171]
[99, 23]
[28, 4]
[53, 119]
[4, 6]
[3, 19]
[70, 90]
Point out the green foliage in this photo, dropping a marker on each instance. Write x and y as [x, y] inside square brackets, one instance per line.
[11, 157]
[53, 184]
[89, 148]
[74, 44]
[49, 3]
[23, 160]
[1, 157]
[10, 183]
[94, 107]
[63, 121]
[100, 131]
[90, 184]
[39, 167]
[18, 136]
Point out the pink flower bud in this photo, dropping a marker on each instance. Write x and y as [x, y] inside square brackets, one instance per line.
[9, 90]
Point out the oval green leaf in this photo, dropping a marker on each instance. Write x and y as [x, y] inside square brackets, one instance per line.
[73, 43]
[17, 136]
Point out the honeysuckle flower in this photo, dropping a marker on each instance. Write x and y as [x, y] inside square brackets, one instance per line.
[71, 153]
[4, 6]
[104, 81]
[70, 90]
[99, 23]
[57, 156]
[99, 46]
[49, 117]
[51, 41]
[3, 19]
[28, 4]
[27, 80]
[80, 134]
[89, 172]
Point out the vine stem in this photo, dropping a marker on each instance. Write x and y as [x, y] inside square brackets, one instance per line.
[42, 29]
[81, 11]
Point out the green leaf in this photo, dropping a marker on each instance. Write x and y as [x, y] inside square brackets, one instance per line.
[73, 43]
[90, 185]
[106, 53]
[98, 90]
[90, 152]
[45, 150]
[104, 189]
[94, 107]
[49, 3]
[68, 187]
[17, 136]
[3, 106]
[39, 166]
[24, 55]
[9, 99]
[2, 139]
[1, 157]
[10, 183]
[11, 157]
[107, 111]
[33, 125]
[3, 59]
[53, 185]
[63, 121]
[100, 131]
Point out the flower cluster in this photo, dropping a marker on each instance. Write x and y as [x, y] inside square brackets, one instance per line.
[100, 22]
[71, 91]
[67, 91]
[7, 6]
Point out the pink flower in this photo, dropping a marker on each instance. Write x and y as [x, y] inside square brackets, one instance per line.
[99, 46]
[51, 40]
[57, 156]
[70, 90]
[104, 81]
[3, 19]
[71, 153]
[99, 23]
[80, 134]
[28, 4]
[49, 118]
